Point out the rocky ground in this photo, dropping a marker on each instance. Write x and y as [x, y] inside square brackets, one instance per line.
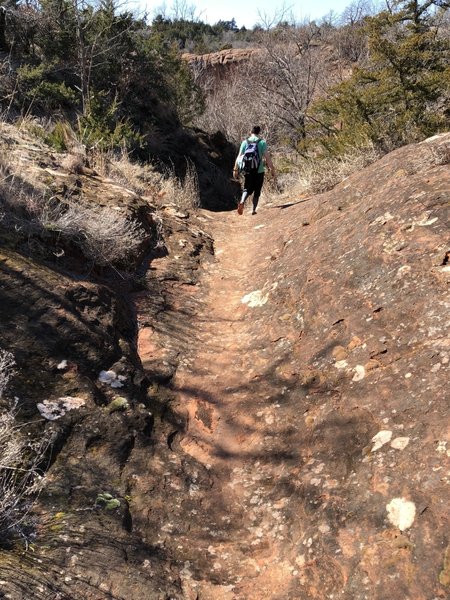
[285, 432]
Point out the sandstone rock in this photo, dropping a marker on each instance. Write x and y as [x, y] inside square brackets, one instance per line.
[381, 438]
[254, 476]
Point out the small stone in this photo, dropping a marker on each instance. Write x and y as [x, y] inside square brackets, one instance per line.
[400, 443]
[401, 513]
[380, 439]
[300, 560]
[354, 343]
[372, 364]
[111, 378]
[401, 541]
[310, 420]
[341, 364]
[339, 353]
[360, 373]
[255, 299]
[55, 409]
[119, 403]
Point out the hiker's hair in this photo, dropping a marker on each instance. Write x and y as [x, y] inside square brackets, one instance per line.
[256, 129]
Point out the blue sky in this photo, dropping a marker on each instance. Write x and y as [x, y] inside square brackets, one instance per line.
[246, 13]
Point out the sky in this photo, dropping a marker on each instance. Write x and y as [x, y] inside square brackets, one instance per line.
[246, 13]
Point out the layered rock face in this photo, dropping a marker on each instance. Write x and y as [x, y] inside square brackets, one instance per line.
[285, 434]
[223, 57]
[212, 68]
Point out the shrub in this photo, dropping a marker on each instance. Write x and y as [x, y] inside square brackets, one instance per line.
[105, 235]
[61, 137]
[102, 128]
[37, 89]
[399, 95]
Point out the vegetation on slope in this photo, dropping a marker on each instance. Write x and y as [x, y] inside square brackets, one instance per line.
[366, 79]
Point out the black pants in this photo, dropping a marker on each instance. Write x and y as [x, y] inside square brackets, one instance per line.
[253, 185]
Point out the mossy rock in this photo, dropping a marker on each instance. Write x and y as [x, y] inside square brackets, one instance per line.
[107, 501]
[118, 404]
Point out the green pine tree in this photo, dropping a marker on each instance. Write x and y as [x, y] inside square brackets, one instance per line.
[401, 94]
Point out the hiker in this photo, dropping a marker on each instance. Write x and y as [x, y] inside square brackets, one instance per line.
[251, 162]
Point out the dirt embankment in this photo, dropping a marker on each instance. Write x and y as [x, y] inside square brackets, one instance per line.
[286, 428]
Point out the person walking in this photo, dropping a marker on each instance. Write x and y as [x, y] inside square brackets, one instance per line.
[252, 160]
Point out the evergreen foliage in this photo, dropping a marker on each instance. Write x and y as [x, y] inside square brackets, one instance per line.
[192, 35]
[97, 67]
[400, 94]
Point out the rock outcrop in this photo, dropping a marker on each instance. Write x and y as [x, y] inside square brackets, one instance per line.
[213, 67]
[222, 57]
[280, 426]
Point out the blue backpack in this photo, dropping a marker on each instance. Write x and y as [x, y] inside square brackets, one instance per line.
[251, 158]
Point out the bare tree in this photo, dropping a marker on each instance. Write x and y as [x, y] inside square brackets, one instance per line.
[96, 41]
[350, 38]
[356, 12]
[291, 73]
[280, 15]
[275, 88]
[179, 10]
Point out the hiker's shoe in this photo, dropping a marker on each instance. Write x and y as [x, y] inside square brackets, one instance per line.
[253, 212]
[240, 208]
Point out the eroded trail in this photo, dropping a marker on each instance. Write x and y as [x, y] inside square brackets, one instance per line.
[231, 532]
[233, 424]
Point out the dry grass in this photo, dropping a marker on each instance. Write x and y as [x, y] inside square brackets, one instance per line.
[318, 176]
[183, 194]
[7, 370]
[440, 154]
[146, 180]
[106, 235]
[73, 163]
[21, 459]
[141, 179]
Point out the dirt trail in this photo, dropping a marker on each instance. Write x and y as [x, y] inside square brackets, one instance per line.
[231, 423]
